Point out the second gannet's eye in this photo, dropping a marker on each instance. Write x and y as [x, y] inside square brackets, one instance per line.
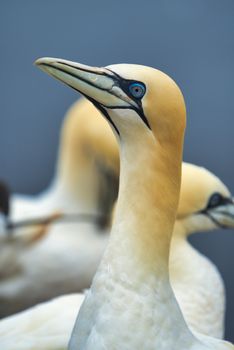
[137, 90]
[215, 200]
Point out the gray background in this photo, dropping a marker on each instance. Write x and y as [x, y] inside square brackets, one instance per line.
[190, 40]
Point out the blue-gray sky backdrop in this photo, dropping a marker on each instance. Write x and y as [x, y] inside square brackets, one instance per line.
[190, 40]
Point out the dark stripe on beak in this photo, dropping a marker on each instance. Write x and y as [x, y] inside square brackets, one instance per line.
[77, 77]
[216, 222]
[95, 103]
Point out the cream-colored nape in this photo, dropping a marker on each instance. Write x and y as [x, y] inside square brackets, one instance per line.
[130, 303]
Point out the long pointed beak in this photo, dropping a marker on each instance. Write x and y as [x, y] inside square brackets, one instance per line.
[223, 215]
[97, 84]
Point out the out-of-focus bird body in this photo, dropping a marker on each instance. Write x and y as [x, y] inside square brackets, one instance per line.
[196, 281]
[198, 287]
[66, 259]
[49, 330]
[87, 153]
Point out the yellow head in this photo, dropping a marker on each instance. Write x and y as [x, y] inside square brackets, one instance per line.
[205, 202]
[146, 111]
[151, 98]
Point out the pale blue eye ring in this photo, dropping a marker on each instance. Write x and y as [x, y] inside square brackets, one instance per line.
[137, 90]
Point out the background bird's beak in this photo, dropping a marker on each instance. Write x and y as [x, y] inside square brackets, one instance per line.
[98, 84]
[223, 215]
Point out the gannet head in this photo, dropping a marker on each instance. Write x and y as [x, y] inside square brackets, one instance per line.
[146, 111]
[205, 202]
[133, 98]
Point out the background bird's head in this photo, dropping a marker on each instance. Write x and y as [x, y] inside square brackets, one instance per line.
[205, 202]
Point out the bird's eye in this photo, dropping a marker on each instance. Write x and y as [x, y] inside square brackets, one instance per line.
[215, 200]
[137, 90]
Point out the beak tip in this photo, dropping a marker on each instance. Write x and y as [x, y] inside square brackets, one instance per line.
[38, 61]
[44, 60]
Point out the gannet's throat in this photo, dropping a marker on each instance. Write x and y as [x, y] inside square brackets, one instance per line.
[145, 188]
[134, 270]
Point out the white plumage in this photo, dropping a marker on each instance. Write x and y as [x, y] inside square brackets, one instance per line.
[50, 329]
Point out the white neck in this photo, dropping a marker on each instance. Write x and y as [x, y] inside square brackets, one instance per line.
[134, 272]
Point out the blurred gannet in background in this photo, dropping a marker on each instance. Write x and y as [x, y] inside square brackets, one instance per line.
[82, 170]
[84, 183]
[13, 244]
[147, 112]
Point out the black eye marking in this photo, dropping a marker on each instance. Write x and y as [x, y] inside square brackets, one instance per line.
[217, 200]
[134, 89]
[129, 87]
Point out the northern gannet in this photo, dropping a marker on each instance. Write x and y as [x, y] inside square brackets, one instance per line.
[130, 304]
[203, 308]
